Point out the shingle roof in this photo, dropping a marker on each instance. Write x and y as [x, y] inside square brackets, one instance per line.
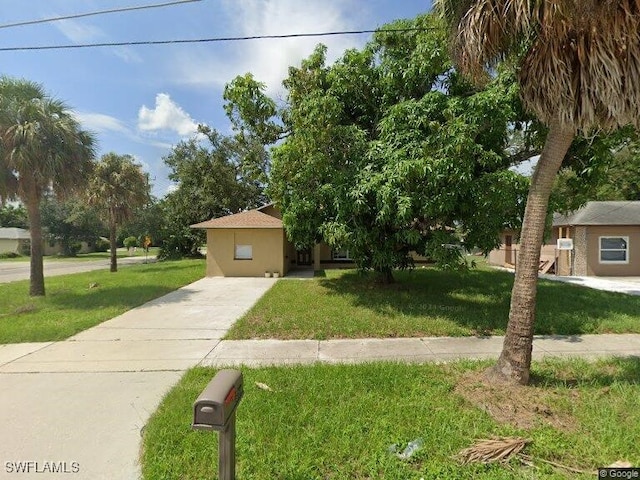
[602, 213]
[14, 233]
[246, 219]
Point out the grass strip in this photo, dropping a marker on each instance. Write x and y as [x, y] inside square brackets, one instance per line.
[79, 301]
[427, 302]
[341, 421]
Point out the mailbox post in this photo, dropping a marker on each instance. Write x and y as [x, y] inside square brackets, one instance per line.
[215, 409]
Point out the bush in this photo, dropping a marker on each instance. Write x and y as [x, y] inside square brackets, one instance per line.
[4, 255]
[130, 242]
[25, 248]
[71, 249]
[101, 245]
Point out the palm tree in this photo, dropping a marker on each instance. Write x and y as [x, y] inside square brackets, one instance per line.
[118, 187]
[42, 147]
[579, 70]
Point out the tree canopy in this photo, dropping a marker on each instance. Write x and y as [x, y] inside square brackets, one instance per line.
[388, 150]
[214, 177]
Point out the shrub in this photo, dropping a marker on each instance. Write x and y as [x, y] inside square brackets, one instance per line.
[71, 249]
[9, 255]
[25, 248]
[102, 245]
[130, 242]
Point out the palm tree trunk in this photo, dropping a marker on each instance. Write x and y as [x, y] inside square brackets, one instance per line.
[36, 275]
[112, 241]
[515, 360]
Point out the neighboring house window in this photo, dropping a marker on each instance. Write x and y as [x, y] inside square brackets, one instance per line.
[341, 254]
[614, 249]
[244, 252]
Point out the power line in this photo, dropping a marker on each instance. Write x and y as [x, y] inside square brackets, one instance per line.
[208, 40]
[101, 12]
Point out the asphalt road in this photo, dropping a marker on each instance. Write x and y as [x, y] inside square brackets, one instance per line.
[13, 271]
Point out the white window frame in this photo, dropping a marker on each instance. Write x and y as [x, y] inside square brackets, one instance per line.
[613, 262]
[336, 251]
[243, 252]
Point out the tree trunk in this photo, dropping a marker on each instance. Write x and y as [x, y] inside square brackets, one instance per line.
[36, 275]
[515, 360]
[385, 276]
[112, 241]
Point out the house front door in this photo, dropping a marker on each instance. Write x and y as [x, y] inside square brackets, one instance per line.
[304, 257]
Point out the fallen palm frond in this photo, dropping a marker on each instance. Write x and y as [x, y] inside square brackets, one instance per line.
[493, 450]
[528, 459]
[502, 450]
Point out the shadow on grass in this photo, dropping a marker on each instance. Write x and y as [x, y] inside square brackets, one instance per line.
[119, 296]
[581, 373]
[479, 300]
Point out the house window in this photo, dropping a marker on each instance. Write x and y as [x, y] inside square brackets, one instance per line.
[341, 254]
[614, 249]
[244, 252]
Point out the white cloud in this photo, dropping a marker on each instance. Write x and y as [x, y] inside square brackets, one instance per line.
[269, 60]
[100, 122]
[127, 54]
[79, 32]
[167, 115]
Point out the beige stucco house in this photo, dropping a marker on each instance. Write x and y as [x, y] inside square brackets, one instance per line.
[254, 242]
[604, 236]
[13, 240]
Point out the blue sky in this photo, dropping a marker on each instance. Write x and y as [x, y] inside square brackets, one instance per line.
[141, 100]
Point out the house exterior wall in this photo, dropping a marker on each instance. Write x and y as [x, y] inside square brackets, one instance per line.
[268, 252]
[580, 251]
[507, 252]
[9, 245]
[592, 243]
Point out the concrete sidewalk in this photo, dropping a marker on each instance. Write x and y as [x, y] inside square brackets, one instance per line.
[81, 404]
[429, 349]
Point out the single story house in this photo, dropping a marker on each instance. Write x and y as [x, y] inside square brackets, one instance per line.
[13, 240]
[599, 239]
[253, 243]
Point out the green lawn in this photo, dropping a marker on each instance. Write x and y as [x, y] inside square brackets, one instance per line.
[427, 302]
[338, 422]
[76, 302]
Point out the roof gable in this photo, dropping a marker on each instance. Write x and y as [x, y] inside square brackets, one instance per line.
[602, 213]
[14, 233]
[246, 219]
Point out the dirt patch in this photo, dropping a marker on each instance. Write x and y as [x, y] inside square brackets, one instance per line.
[521, 406]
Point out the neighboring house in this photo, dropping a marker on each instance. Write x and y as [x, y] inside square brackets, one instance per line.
[16, 240]
[605, 237]
[13, 240]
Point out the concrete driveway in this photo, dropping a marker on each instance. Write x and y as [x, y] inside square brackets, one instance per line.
[80, 404]
[14, 271]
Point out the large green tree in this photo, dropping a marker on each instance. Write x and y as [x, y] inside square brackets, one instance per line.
[14, 216]
[42, 147]
[389, 150]
[117, 188]
[579, 70]
[212, 181]
[69, 222]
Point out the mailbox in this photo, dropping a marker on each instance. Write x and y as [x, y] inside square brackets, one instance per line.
[217, 403]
